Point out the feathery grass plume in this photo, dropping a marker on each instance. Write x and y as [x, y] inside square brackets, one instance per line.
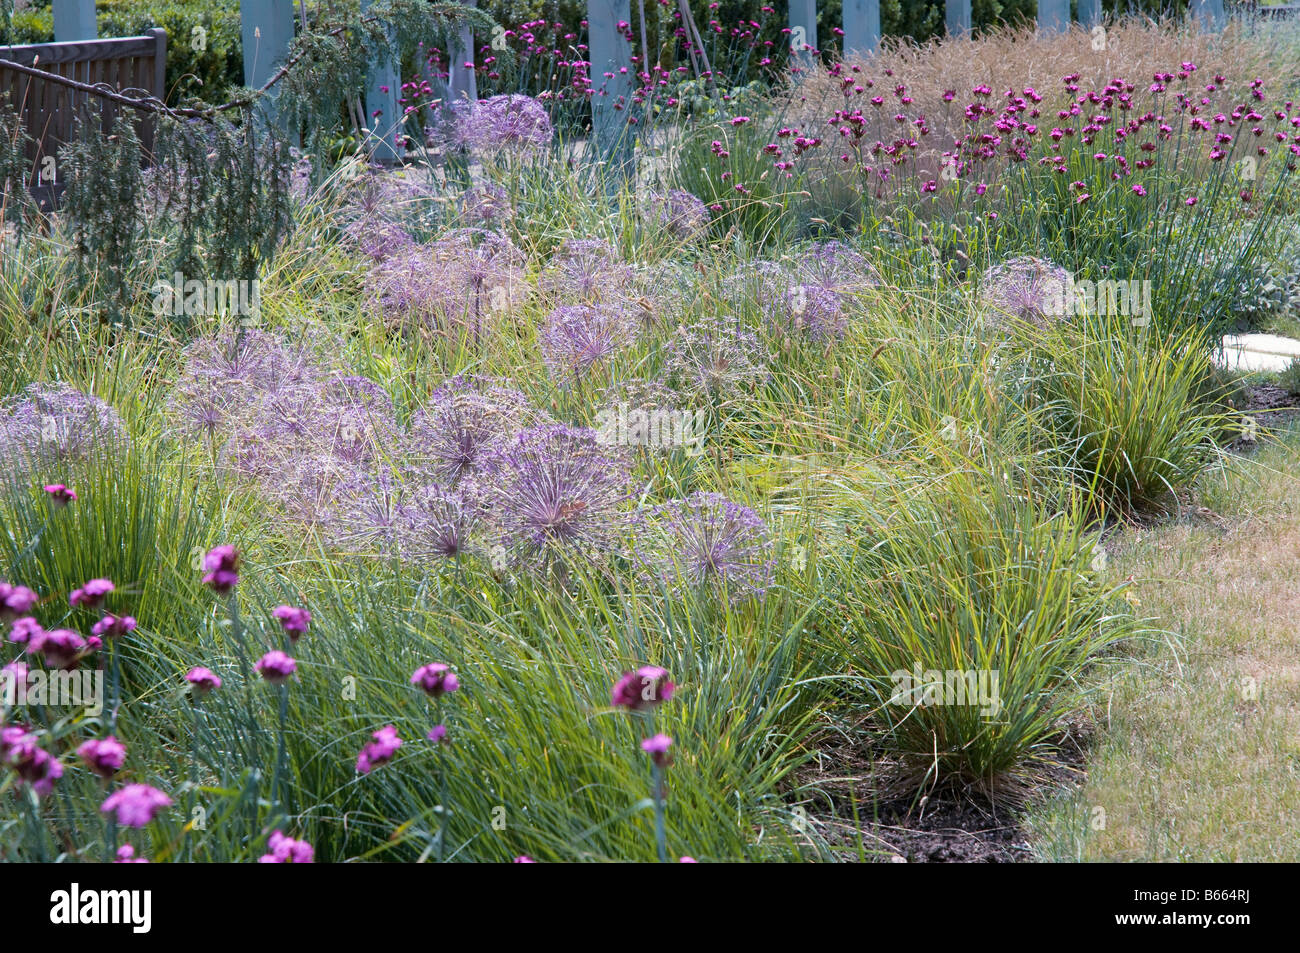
[717, 356]
[705, 540]
[553, 493]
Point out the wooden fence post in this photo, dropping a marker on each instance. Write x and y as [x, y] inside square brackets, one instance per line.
[803, 31]
[266, 32]
[861, 26]
[1053, 16]
[385, 138]
[957, 16]
[74, 20]
[611, 81]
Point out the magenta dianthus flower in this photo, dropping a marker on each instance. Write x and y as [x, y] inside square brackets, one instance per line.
[104, 756]
[643, 689]
[435, 679]
[286, 850]
[276, 667]
[294, 621]
[60, 495]
[657, 747]
[112, 626]
[136, 804]
[222, 564]
[203, 680]
[91, 594]
[380, 750]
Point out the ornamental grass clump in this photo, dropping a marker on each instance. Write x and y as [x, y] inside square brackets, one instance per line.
[1129, 415]
[971, 613]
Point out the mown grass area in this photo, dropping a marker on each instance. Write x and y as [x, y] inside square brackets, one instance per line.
[1196, 755]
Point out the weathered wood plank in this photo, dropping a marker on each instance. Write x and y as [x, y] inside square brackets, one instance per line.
[49, 110]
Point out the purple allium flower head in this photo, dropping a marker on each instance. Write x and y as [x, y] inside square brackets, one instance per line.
[104, 756]
[15, 601]
[91, 594]
[52, 423]
[486, 206]
[813, 296]
[276, 667]
[459, 420]
[438, 734]
[1027, 289]
[62, 648]
[286, 850]
[374, 509]
[578, 337]
[293, 620]
[380, 750]
[60, 495]
[461, 283]
[657, 747]
[435, 679]
[204, 680]
[227, 378]
[523, 859]
[705, 539]
[679, 212]
[379, 200]
[554, 491]
[511, 124]
[438, 521]
[135, 804]
[645, 688]
[126, 855]
[717, 356]
[687, 860]
[26, 631]
[587, 271]
[222, 564]
[113, 626]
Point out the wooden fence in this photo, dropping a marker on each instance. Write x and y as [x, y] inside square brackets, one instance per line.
[48, 109]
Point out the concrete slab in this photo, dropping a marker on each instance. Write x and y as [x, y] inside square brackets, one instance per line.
[1264, 343]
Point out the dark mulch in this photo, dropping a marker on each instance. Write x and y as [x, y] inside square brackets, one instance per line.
[868, 805]
[1272, 407]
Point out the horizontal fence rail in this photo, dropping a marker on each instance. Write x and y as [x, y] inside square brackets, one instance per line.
[48, 109]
